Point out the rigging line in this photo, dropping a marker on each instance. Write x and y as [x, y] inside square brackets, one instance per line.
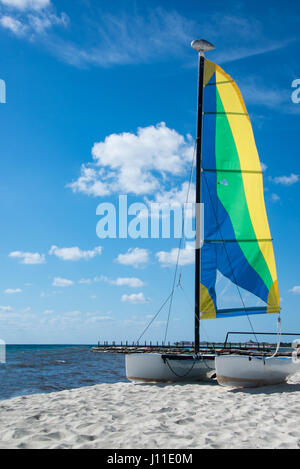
[173, 289]
[189, 186]
[147, 327]
[191, 174]
[179, 246]
[228, 258]
[172, 292]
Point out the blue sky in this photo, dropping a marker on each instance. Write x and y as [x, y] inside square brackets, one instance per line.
[79, 75]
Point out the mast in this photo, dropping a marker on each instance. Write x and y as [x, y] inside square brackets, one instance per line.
[200, 45]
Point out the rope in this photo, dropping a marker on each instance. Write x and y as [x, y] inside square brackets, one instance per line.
[153, 319]
[190, 369]
[173, 289]
[279, 332]
[176, 374]
[208, 367]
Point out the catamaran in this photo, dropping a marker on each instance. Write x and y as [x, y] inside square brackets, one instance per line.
[236, 242]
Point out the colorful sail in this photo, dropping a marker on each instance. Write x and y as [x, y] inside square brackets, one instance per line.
[237, 240]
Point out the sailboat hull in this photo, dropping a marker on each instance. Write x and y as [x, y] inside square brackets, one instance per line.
[245, 371]
[153, 367]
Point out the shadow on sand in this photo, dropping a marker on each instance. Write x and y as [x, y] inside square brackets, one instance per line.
[272, 389]
[210, 382]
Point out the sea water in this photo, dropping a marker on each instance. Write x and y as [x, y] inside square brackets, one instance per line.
[31, 369]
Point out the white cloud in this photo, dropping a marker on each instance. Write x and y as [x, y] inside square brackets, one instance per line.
[177, 196]
[135, 163]
[275, 198]
[85, 280]
[186, 257]
[168, 200]
[31, 18]
[14, 25]
[102, 278]
[73, 314]
[41, 23]
[143, 37]
[48, 311]
[220, 28]
[103, 313]
[132, 282]
[74, 253]
[239, 53]
[89, 184]
[148, 37]
[26, 4]
[134, 257]
[257, 93]
[28, 257]
[62, 282]
[286, 180]
[264, 167]
[94, 319]
[5, 309]
[135, 298]
[295, 290]
[11, 291]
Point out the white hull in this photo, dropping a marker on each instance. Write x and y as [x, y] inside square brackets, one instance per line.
[245, 371]
[150, 367]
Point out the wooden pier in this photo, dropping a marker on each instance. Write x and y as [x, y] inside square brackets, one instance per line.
[186, 348]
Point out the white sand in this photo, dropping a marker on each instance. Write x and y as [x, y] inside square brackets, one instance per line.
[125, 415]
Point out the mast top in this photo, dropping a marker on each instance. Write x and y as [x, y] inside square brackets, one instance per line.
[201, 45]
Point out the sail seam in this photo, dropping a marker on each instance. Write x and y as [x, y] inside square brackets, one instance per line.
[220, 82]
[231, 310]
[229, 113]
[254, 308]
[214, 241]
[249, 171]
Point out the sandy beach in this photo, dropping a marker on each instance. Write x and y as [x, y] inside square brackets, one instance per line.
[124, 415]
